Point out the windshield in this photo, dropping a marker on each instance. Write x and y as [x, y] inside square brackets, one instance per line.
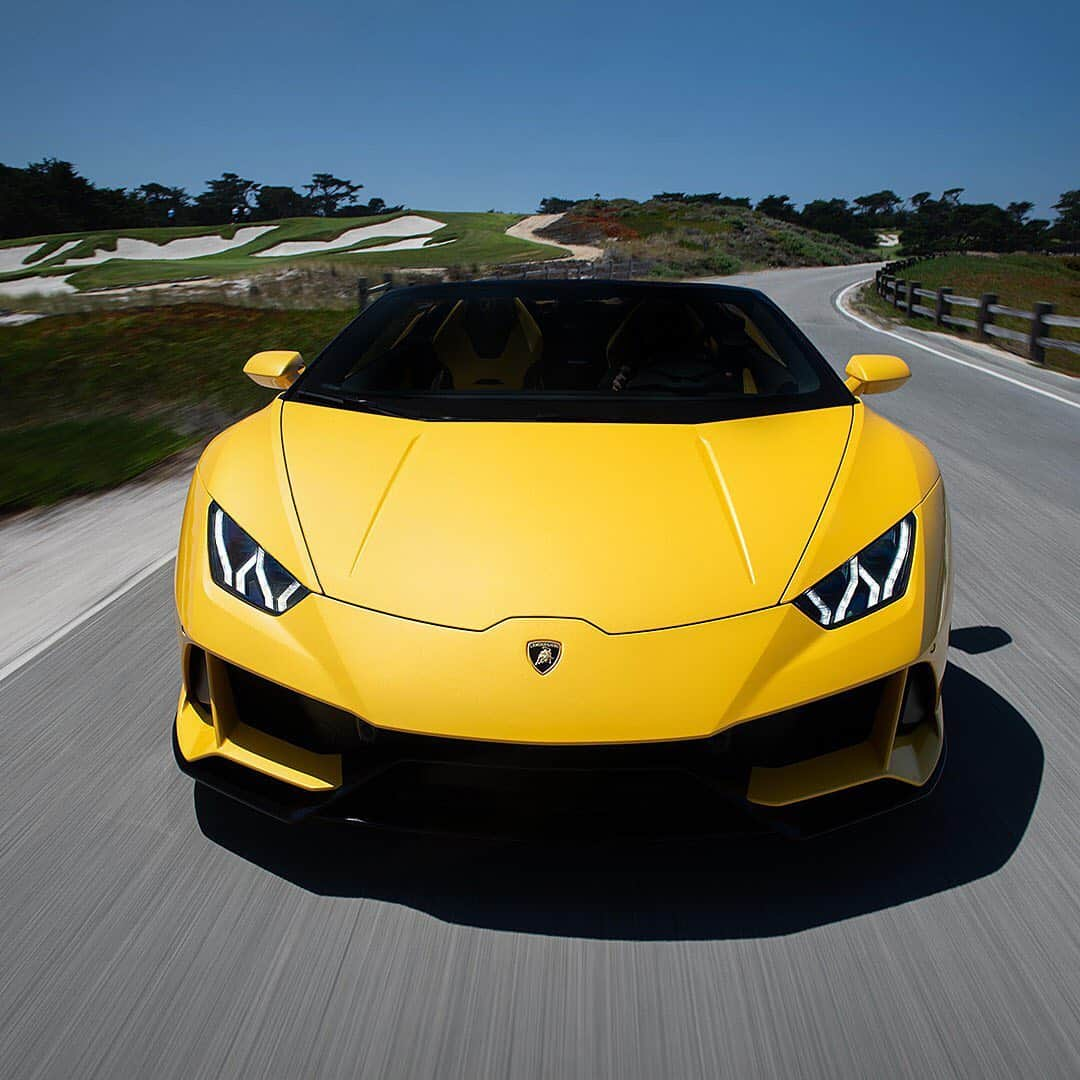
[572, 351]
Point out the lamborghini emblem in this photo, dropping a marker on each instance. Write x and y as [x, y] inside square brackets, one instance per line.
[544, 655]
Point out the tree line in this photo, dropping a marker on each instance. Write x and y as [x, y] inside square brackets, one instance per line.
[927, 224]
[50, 196]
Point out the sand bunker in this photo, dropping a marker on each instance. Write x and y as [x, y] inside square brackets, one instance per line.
[36, 286]
[11, 259]
[402, 245]
[409, 225]
[185, 247]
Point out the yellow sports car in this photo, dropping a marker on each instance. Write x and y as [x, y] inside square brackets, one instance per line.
[521, 554]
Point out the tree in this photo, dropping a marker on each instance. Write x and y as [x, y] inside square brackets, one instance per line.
[1019, 211]
[225, 199]
[159, 199]
[554, 205]
[327, 192]
[372, 206]
[50, 196]
[836, 217]
[880, 207]
[1067, 224]
[777, 206]
[274, 201]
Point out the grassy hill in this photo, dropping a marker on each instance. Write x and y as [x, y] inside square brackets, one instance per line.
[474, 238]
[681, 239]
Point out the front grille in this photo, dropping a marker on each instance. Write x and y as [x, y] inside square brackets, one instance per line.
[808, 731]
[779, 739]
[293, 717]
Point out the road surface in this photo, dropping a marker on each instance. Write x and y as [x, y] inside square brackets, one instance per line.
[147, 932]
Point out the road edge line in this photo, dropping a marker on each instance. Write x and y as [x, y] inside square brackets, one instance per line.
[838, 303]
[71, 625]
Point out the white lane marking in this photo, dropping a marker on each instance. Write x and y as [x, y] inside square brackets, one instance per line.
[838, 303]
[36, 650]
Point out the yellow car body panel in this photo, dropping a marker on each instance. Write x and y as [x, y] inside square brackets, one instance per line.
[630, 526]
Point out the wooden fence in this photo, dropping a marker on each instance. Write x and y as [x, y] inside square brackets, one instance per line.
[939, 304]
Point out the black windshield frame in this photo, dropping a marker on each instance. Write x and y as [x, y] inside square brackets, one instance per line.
[319, 384]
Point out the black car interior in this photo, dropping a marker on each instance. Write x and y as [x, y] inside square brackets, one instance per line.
[667, 345]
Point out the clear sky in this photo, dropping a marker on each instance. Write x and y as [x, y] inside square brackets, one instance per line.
[479, 105]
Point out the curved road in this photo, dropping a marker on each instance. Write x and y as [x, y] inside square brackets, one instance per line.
[147, 933]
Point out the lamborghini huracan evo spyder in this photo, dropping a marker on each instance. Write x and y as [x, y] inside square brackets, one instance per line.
[512, 554]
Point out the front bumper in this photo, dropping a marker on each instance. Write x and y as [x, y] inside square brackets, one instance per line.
[671, 701]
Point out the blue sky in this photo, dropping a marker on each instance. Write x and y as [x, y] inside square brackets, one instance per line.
[479, 105]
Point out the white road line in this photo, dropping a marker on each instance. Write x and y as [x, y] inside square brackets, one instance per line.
[838, 303]
[36, 650]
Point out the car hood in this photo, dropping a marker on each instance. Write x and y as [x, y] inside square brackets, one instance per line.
[628, 526]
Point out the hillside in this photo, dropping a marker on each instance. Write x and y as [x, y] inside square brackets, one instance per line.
[73, 262]
[681, 240]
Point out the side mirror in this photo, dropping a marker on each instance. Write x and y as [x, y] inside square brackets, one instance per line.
[873, 373]
[276, 369]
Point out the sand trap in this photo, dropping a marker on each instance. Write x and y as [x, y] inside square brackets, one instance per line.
[63, 249]
[411, 244]
[409, 225]
[36, 286]
[185, 247]
[11, 258]
[527, 228]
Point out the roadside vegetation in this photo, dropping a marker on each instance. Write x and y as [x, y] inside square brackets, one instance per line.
[926, 224]
[677, 238]
[477, 239]
[1019, 280]
[94, 399]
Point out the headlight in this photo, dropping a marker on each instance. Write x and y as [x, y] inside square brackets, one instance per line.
[243, 568]
[873, 578]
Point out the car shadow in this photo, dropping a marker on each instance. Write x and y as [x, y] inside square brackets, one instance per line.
[979, 639]
[734, 888]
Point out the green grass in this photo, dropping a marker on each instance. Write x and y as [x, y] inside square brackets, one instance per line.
[92, 400]
[183, 359]
[49, 462]
[479, 238]
[1018, 280]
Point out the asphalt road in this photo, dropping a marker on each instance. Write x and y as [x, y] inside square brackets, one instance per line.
[145, 931]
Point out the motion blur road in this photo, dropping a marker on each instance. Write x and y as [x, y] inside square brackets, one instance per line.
[149, 931]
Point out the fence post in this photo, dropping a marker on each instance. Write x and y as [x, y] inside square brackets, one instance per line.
[897, 282]
[361, 293]
[984, 316]
[1038, 329]
[940, 304]
[388, 279]
[911, 298]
